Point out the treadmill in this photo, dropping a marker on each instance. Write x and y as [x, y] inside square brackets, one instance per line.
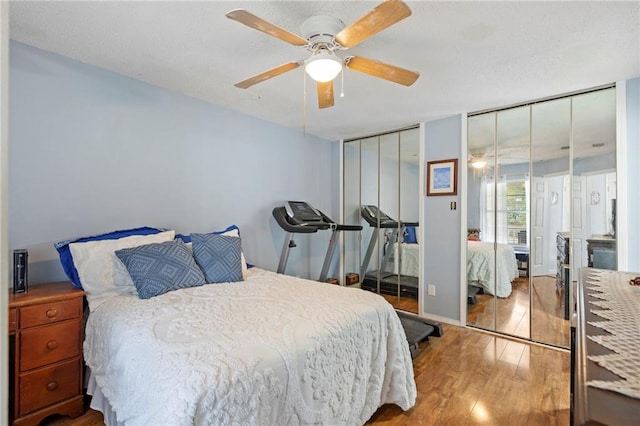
[299, 217]
[388, 280]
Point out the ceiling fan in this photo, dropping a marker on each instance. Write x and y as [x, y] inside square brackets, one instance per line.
[323, 37]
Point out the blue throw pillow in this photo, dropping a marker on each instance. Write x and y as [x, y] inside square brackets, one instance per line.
[218, 256]
[186, 238]
[161, 267]
[410, 235]
[66, 259]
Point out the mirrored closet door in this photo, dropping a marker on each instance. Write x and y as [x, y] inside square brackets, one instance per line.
[381, 193]
[541, 204]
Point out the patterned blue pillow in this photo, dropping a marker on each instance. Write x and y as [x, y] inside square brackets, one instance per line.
[161, 267]
[218, 256]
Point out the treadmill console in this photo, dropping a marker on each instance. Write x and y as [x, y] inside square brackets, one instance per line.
[300, 212]
[373, 214]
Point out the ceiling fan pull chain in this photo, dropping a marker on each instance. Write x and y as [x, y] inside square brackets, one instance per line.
[304, 103]
[342, 83]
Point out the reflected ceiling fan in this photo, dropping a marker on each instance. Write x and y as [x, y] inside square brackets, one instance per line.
[482, 157]
[323, 37]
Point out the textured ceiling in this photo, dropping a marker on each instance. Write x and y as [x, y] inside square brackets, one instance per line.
[471, 55]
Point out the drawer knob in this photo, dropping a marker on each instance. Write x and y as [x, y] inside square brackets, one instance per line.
[52, 344]
[51, 313]
[51, 386]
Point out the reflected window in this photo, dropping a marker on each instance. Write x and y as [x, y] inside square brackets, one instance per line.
[503, 209]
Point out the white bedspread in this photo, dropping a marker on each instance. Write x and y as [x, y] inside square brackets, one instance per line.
[482, 262]
[270, 350]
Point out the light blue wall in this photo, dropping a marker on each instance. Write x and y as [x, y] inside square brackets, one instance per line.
[92, 151]
[633, 173]
[440, 226]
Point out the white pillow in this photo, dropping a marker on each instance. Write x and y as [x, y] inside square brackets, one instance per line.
[231, 233]
[101, 273]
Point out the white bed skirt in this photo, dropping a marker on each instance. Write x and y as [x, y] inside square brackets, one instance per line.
[99, 401]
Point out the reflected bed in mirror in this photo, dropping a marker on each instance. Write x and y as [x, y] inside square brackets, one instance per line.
[487, 267]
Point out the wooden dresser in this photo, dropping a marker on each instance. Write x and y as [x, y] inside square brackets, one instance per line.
[45, 353]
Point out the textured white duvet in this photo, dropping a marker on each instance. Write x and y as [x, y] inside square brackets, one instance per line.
[270, 350]
[482, 261]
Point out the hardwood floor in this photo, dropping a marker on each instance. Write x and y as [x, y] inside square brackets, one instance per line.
[469, 377]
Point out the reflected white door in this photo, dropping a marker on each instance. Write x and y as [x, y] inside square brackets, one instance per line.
[538, 195]
[578, 224]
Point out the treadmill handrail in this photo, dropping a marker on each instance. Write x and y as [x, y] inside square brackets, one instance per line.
[349, 227]
[405, 224]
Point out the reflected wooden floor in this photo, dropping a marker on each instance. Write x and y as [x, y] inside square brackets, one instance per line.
[512, 313]
[469, 377]
[402, 303]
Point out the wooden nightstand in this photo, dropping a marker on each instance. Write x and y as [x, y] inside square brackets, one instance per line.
[45, 353]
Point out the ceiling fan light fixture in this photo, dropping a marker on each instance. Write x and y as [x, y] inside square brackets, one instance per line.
[323, 66]
[478, 164]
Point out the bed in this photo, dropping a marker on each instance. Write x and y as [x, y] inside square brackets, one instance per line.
[267, 349]
[483, 260]
[480, 265]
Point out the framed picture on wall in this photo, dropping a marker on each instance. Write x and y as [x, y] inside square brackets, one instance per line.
[442, 177]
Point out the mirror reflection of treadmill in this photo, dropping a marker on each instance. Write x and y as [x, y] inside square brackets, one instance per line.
[386, 275]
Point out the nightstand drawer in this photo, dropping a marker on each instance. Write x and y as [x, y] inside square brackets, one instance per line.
[45, 345]
[50, 312]
[49, 385]
[13, 320]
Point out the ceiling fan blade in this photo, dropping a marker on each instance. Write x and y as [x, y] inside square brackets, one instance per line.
[273, 72]
[382, 70]
[251, 20]
[382, 16]
[325, 94]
